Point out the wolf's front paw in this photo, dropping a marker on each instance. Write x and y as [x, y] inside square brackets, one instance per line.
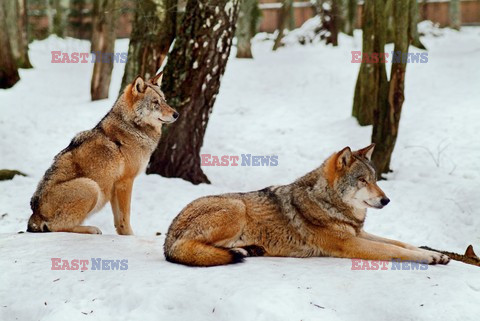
[93, 230]
[124, 229]
[435, 257]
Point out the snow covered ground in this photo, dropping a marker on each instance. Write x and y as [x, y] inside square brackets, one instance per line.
[294, 103]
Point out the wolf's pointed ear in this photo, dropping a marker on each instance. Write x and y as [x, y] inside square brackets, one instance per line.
[344, 158]
[469, 252]
[367, 151]
[157, 80]
[138, 86]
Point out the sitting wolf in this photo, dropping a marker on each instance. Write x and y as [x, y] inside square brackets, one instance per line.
[320, 214]
[100, 164]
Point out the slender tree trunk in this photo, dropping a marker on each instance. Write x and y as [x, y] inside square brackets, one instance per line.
[412, 27]
[390, 32]
[283, 22]
[291, 17]
[246, 27]
[336, 22]
[17, 31]
[103, 44]
[387, 117]
[191, 84]
[454, 13]
[78, 20]
[59, 19]
[372, 77]
[8, 66]
[153, 32]
[331, 14]
[23, 38]
[350, 17]
[50, 13]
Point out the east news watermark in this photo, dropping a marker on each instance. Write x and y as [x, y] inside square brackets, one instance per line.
[93, 264]
[384, 57]
[394, 265]
[60, 57]
[239, 160]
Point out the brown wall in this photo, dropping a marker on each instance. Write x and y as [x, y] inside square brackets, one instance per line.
[270, 17]
[79, 19]
[80, 26]
[438, 12]
[434, 11]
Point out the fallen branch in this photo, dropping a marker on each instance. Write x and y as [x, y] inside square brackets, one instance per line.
[6, 174]
[469, 257]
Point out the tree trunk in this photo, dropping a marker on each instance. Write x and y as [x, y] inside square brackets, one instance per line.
[336, 22]
[153, 32]
[372, 77]
[331, 14]
[17, 31]
[59, 19]
[413, 22]
[79, 24]
[390, 32]
[103, 44]
[191, 83]
[284, 19]
[454, 13]
[8, 66]
[246, 27]
[387, 117]
[49, 11]
[350, 17]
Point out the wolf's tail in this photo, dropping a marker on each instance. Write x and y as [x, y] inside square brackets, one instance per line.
[197, 253]
[37, 224]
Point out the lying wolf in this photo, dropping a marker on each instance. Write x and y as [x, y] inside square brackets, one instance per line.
[320, 214]
[100, 164]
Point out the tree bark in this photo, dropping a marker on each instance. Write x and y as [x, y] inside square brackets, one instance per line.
[59, 19]
[78, 20]
[8, 66]
[284, 20]
[454, 13]
[103, 44]
[336, 22]
[372, 77]
[246, 27]
[350, 17]
[387, 117]
[153, 32]
[191, 83]
[412, 26]
[16, 16]
[49, 12]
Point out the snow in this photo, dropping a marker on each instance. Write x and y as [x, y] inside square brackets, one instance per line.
[294, 103]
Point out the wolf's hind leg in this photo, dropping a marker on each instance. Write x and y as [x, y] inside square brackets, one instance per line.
[207, 233]
[71, 202]
[197, 253]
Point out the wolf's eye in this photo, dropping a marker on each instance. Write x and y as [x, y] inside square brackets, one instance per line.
[362, 180]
